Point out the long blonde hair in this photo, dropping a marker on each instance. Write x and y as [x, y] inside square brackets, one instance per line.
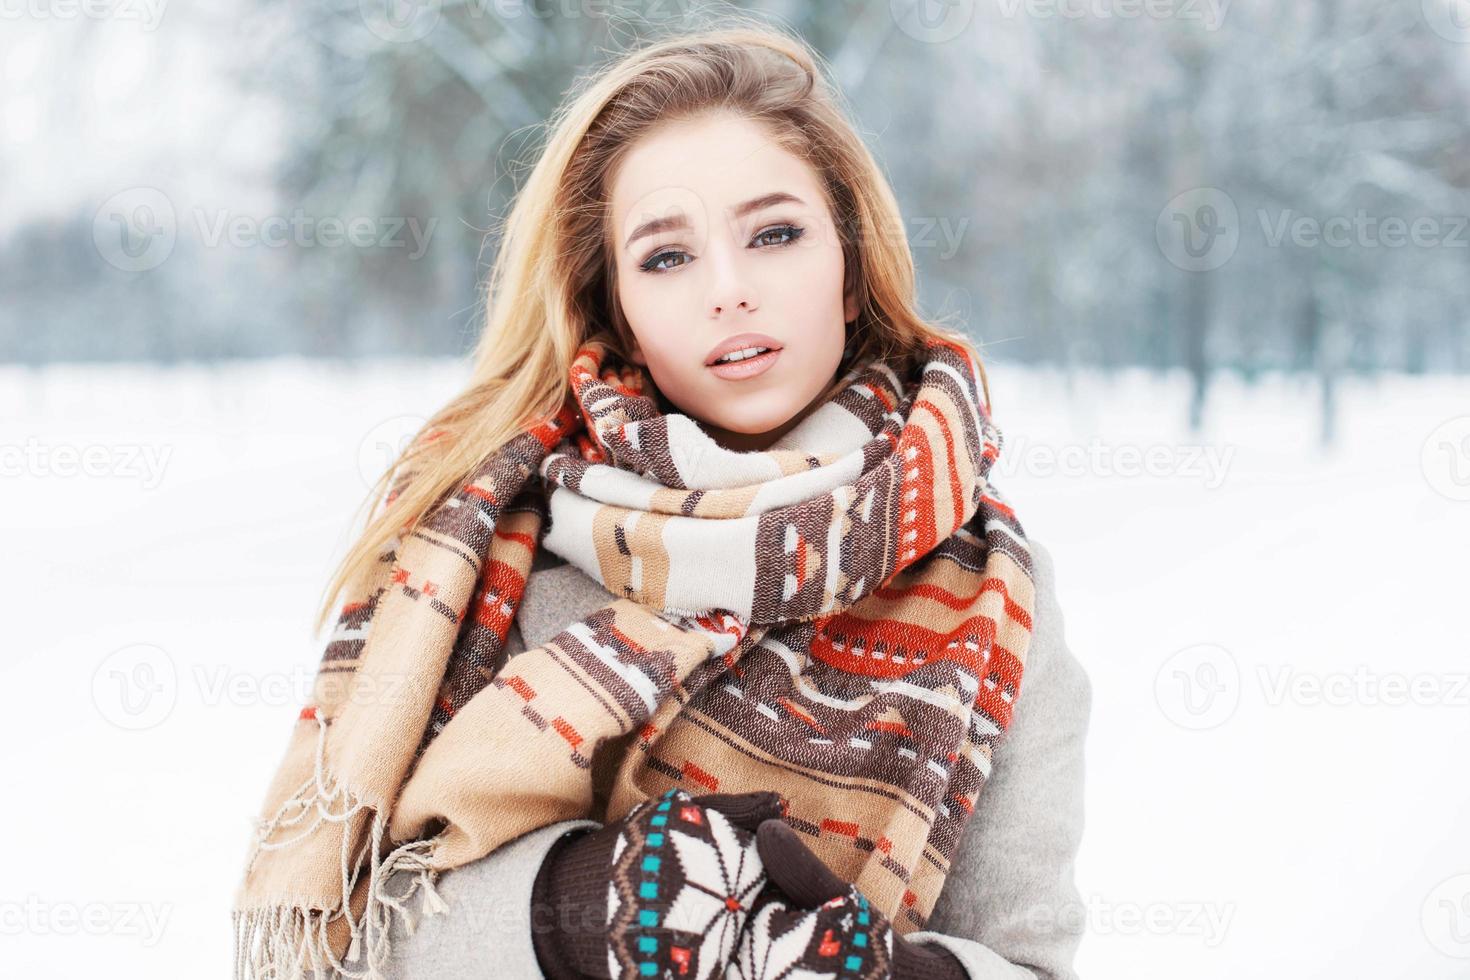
[552, 284]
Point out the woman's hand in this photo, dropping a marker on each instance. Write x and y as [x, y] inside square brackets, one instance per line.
[808, 919]
[669, 885]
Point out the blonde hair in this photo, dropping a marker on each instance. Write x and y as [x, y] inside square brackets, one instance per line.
[552, 284]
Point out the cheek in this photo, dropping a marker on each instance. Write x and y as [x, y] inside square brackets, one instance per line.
[812, 295]
[658, 318]
[810, 275]
[641, 315]
[661, 343]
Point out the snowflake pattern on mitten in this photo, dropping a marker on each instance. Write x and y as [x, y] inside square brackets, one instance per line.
[842, 939]
[683, 881]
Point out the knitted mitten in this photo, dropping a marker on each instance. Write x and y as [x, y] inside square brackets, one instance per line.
[808, 922]
[662, 892]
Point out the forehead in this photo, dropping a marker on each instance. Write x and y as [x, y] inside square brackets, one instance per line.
[703, 167]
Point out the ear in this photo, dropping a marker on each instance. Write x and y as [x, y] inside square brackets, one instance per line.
[637, 355]
[849, 306]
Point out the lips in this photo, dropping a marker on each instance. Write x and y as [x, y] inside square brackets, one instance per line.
[747, 368]
[739, 342]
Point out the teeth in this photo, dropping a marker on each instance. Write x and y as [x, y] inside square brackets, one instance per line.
[740, 355]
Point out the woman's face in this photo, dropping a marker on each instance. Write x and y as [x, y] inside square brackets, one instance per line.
[719, 232]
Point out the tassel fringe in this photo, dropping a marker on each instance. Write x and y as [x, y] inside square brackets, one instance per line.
[290, 943]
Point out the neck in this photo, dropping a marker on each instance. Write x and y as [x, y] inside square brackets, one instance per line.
[756, 442]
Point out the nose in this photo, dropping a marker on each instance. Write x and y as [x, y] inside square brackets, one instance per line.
[720, 308]
[731, 288]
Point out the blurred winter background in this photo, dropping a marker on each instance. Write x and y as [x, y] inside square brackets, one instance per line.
[1218, 254]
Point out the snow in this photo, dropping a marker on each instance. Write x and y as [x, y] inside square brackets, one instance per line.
[1292, 812]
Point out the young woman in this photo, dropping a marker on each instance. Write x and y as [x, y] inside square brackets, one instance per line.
[734, 688]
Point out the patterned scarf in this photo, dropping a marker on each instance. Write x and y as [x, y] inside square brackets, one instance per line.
[842, 618]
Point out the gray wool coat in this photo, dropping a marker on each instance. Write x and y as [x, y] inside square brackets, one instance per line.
[1009, 909]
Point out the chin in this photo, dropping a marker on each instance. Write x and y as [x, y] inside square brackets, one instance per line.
[752, 430]
[756, 423]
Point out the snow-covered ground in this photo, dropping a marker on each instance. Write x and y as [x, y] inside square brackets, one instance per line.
[1276, 635]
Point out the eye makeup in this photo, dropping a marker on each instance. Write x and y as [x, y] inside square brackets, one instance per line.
[791, 232]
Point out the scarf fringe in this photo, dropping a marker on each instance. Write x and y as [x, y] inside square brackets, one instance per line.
[281, 942]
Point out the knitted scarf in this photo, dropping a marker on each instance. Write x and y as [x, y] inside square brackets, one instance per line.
[842, 618]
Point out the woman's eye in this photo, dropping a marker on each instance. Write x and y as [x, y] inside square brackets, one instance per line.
[655, 263]
[773, 237]
[779, 235]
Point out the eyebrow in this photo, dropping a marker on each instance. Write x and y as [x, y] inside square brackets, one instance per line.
[656, 225]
